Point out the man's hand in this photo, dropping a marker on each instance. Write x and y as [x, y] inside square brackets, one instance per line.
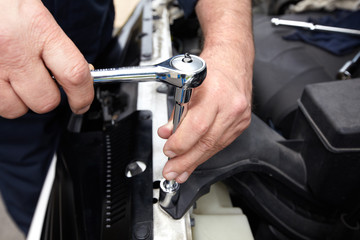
[31, 45]
[220, 109]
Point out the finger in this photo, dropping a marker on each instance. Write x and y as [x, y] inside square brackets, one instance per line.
[36, 88]
[70, 69]
[11, 105]
[181, 167]
[166, 130]
[193, 127]
[218, 137]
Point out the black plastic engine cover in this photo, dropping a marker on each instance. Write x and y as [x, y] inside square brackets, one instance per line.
[329, 124]
[92, 198]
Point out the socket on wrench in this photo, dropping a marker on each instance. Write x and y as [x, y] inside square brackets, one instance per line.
[185, 72]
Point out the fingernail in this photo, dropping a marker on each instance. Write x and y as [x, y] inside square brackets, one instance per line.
[183, 177]
[171, 175]
[169, 125]
[91, 67]
[170, 154]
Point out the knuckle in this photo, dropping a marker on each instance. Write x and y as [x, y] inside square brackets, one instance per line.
[177, 146]
[47, 105]
[186, 164]
[244, 122]
[221, 145]
[78, 103]
[10, 105]
[77, 74]
[199, 126]
[207, 144]
[11, 112]
[88, 98]
[247, 120]
[239, 106]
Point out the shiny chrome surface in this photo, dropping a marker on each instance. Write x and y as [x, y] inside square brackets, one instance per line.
[187, 63]
[165, 227]
[168, 193]
[349, 68]
[313, 27]
[177, 71]
[182, 71]
[185, 72]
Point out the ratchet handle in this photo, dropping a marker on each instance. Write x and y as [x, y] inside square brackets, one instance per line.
[128, 74]
[182, 71]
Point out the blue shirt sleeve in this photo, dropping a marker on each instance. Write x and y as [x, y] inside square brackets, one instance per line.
[188, 6]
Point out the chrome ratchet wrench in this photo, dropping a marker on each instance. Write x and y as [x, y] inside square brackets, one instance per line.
[185, 72]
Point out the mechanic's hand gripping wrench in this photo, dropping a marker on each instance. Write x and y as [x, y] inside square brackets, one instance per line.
[185, 72]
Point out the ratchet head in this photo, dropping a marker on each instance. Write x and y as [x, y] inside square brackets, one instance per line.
[183, 71]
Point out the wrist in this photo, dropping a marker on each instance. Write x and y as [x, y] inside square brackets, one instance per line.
[234, 62]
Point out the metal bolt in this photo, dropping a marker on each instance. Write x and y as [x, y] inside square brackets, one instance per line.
[187, 58]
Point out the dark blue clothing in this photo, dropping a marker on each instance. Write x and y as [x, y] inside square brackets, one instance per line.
[336, 43]
[88, 23]
[28, 144]
[188, 6]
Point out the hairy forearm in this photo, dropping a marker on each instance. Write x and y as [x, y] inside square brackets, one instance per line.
[225, 20]
[227, 29]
